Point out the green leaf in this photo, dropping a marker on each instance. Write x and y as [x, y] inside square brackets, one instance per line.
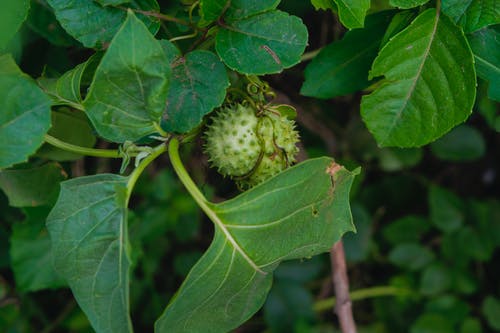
[491, 310]
[432, 323]
[41, 19]
[412, 256]
[324, 4]
[478, 247]
[24, 114]
[352, 12]
[31, 254]
[342, 67]
[127, 96]
[406, 229]
[357, 246]
[446, 209]
[88, 229]
[67, 89]
[472, 15]
[485, 44]
[287, 304]
[451, 307]
[404, 4]
[435, 279]
[262, 44]
[94, 25]
[72, 127]
[395, 159]
[430, 83]
[463, 143]
[199, 82]
[171, 51]
[298, 212]
[31, 187]
[12, 15]
[471, 325]
[112, 2]
[211, 10]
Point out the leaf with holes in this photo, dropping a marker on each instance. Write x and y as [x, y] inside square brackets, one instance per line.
[262, 44]
[199, 82]
[472, 15]
[302, 212]
[88, 229]
[127, 96]
[429, 87]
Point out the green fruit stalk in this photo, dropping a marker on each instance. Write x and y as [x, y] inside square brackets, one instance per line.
[250, 147]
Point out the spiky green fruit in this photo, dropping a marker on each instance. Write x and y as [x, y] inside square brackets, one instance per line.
[250, 148]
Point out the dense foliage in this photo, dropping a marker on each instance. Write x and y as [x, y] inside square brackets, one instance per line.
[107, 111]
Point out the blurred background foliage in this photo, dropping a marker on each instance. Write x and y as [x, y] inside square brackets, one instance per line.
[428, 218]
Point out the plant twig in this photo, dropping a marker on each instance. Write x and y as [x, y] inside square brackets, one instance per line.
[343, 306]
[160, 16]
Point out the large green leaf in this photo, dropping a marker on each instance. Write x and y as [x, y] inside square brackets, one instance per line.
[127, 96]
[342, 67]
[31, 253]
[88, 229]
[485, 44]
[430, 83]
[299, 213]
[24, 114]
[472, 15]
[199, 82]
[211, 10]
[12, 15]
[95, 25]
[31, 187]
[262, 44]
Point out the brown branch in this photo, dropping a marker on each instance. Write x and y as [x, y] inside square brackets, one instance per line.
[343, 304]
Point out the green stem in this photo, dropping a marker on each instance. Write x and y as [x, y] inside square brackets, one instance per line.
[110, 153]
[163, 17]
[157, 151]
[309, 55]
[329, 303]
[173, 153]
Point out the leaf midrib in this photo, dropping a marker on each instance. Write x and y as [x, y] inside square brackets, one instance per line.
[218, 222]
[416, 77]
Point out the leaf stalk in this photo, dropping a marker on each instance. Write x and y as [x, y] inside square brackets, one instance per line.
[109, 153]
